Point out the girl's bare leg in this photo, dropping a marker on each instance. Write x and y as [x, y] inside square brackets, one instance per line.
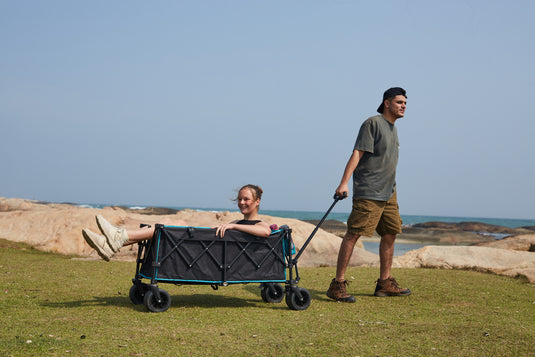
[141, 234]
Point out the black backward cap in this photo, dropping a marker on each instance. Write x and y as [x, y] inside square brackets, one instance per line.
[390, 93]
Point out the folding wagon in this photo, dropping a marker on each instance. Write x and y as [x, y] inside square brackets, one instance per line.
[195, 255]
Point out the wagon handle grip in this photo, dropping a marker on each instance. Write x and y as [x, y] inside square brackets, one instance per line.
[336, 199]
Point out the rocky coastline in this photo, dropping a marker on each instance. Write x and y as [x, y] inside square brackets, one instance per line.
[56, 227]
[440, 233]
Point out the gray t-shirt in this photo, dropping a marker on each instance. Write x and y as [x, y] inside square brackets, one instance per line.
[375, 175]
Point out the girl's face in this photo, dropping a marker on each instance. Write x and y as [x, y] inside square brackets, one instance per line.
[246, 202]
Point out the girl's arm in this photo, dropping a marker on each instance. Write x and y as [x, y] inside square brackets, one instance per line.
[261, 229]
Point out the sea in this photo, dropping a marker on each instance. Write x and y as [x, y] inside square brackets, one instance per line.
[408, 220]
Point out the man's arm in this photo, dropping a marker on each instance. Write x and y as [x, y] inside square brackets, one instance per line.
[348, 172]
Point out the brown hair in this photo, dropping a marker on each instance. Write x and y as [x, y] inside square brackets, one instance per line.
[256, 190]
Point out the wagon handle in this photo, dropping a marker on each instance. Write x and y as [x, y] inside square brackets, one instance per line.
[336, 199]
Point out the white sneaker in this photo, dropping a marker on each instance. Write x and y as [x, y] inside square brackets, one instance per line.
[116, 236]
[98, 243]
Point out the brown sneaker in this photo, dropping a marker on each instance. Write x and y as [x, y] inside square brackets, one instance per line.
[390, 287]
[337, 291]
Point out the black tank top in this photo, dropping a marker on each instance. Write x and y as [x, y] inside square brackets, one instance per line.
[248, 222]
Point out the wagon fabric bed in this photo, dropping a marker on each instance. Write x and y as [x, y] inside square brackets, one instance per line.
[195, 255]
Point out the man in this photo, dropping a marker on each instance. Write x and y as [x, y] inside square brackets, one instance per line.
[375, 208]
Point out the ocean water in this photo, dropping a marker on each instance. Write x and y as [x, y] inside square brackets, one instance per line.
[399, 248]
[407, 219]
[402, 248]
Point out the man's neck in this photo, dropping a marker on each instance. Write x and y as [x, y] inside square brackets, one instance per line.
[390, 118]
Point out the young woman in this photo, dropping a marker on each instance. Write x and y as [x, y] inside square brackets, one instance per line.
[114, 238]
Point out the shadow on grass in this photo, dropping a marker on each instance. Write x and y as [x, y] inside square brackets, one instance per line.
[95, 301]
[205, 300]
[219, 301]
[318, 295]
[194, 300]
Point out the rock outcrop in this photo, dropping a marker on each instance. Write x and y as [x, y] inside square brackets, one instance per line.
[495, 260]
[475, 227]
[525, 243]
[57, 228]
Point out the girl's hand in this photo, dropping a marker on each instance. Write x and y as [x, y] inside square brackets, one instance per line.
[222, 228]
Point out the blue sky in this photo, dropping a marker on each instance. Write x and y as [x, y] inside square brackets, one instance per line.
[179, 103]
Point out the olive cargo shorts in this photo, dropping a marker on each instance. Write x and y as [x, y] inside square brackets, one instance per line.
[368, 216]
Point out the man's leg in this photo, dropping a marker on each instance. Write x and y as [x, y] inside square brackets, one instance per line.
[389, 226]
[387, 285]
[344, 254]
[338, 288]
[363, 219]
[386, 255]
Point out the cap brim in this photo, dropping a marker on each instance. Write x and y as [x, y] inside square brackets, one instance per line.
[381, 108]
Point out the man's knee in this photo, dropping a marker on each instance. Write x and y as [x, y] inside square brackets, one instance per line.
[390, 237]
[351, 237]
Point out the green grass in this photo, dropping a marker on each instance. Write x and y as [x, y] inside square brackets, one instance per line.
[57, 305]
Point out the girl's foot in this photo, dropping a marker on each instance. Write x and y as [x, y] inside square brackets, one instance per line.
[116, 236]
[98, 243]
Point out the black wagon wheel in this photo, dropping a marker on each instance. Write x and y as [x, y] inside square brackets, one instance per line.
[137, 293]
[272, 292]
[295, 303]
[152, 303]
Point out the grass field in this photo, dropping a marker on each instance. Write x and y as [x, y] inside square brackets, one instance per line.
[57, 305]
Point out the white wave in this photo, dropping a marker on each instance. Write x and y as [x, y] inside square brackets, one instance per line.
[85, 206]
